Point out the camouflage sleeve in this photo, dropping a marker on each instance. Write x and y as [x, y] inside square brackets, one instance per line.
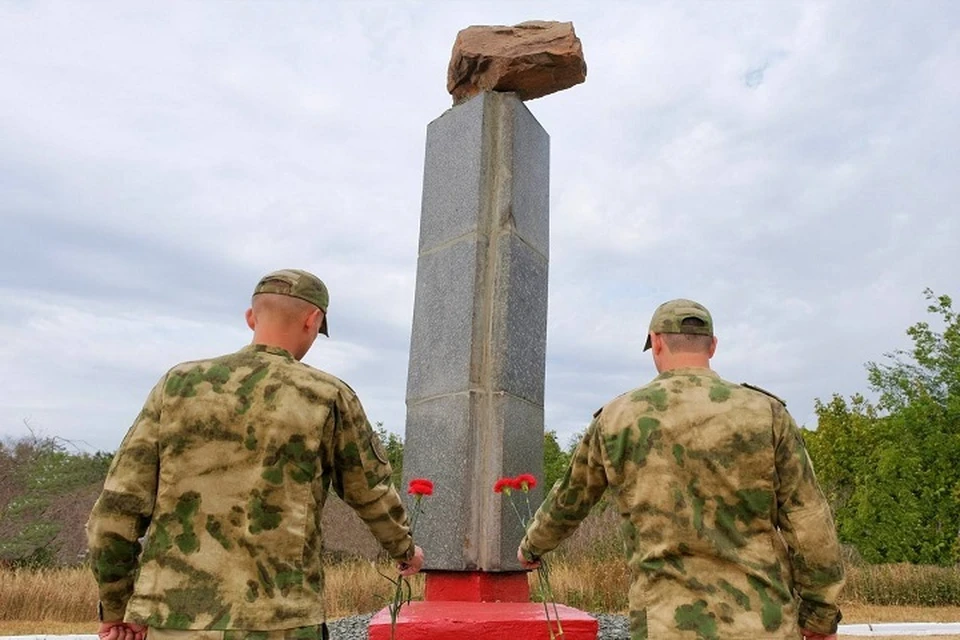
[122, 512]
[807, 526]
[571, 498]
[362, 479]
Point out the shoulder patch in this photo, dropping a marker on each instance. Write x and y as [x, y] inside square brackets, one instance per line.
[764, 392]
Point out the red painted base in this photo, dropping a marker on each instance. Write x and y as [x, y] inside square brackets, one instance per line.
[488, 620]
[476, 586]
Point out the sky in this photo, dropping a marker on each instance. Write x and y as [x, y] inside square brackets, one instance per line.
[787, 164]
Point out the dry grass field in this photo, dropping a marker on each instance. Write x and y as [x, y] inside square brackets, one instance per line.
[60, 601]
[65, 600]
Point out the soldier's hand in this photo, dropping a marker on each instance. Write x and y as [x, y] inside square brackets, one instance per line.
[119, 630]
[412, 565]
[526, 564]
[813, 635]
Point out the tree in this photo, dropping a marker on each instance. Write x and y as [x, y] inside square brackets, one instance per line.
[393, 444]
[46, 477]
[555, 460]
[928, 373]
[890, 469]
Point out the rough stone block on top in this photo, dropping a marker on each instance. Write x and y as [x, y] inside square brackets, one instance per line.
[531, 59]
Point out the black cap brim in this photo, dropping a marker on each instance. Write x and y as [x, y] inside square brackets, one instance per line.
[649, 344]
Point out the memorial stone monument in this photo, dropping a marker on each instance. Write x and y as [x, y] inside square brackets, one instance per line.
[478, 347]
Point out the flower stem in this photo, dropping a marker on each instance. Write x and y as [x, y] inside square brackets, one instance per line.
[526, 494]
[400, 582]
[523, 523]
[543, 572]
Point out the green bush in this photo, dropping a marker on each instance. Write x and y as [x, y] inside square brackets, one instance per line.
[44, 471]
[889, 469]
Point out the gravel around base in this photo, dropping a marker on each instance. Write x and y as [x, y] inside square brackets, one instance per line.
[355, 627]
[351, 628]
[612, 627]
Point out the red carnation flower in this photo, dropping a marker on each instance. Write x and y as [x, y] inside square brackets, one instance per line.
[420, 487]
[503, 483]
[525, 481]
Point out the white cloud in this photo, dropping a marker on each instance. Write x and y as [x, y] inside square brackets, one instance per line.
[789, 164]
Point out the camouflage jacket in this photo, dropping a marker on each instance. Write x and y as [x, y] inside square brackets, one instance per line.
[226, 471]
[726, 531]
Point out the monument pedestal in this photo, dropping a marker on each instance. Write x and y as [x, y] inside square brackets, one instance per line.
[487, 620]
[479, 604]
[476, 586]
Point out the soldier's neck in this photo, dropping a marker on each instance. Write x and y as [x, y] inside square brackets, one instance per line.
[684, 361]
[279, 339]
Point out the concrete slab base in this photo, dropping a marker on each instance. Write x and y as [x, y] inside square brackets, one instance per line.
[488, 620]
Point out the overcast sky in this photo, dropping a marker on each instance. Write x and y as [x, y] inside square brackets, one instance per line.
[786, 164]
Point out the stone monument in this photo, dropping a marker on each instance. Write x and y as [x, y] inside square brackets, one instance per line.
[478, 347]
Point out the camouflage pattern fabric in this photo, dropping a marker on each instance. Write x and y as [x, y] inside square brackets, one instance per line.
[726, 531]
[318, 632]
[226, 471]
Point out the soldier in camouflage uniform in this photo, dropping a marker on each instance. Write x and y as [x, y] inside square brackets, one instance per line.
[726, 531]
[226, 471]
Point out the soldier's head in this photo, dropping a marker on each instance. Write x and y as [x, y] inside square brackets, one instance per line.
[289, 310]
[681, 335]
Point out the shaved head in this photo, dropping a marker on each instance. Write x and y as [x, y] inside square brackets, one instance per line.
[688, 342]
[285, 321]
[282, 309]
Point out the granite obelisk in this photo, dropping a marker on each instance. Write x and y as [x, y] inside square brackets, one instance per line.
[478, 347]
[475, 384]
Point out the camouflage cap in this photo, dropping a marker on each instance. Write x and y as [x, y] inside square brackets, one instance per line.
[297, 284]
[669, 316]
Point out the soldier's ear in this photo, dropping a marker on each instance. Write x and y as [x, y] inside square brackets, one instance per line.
[251, 319]
[313, 321]
[656, 343]
[713, 347]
